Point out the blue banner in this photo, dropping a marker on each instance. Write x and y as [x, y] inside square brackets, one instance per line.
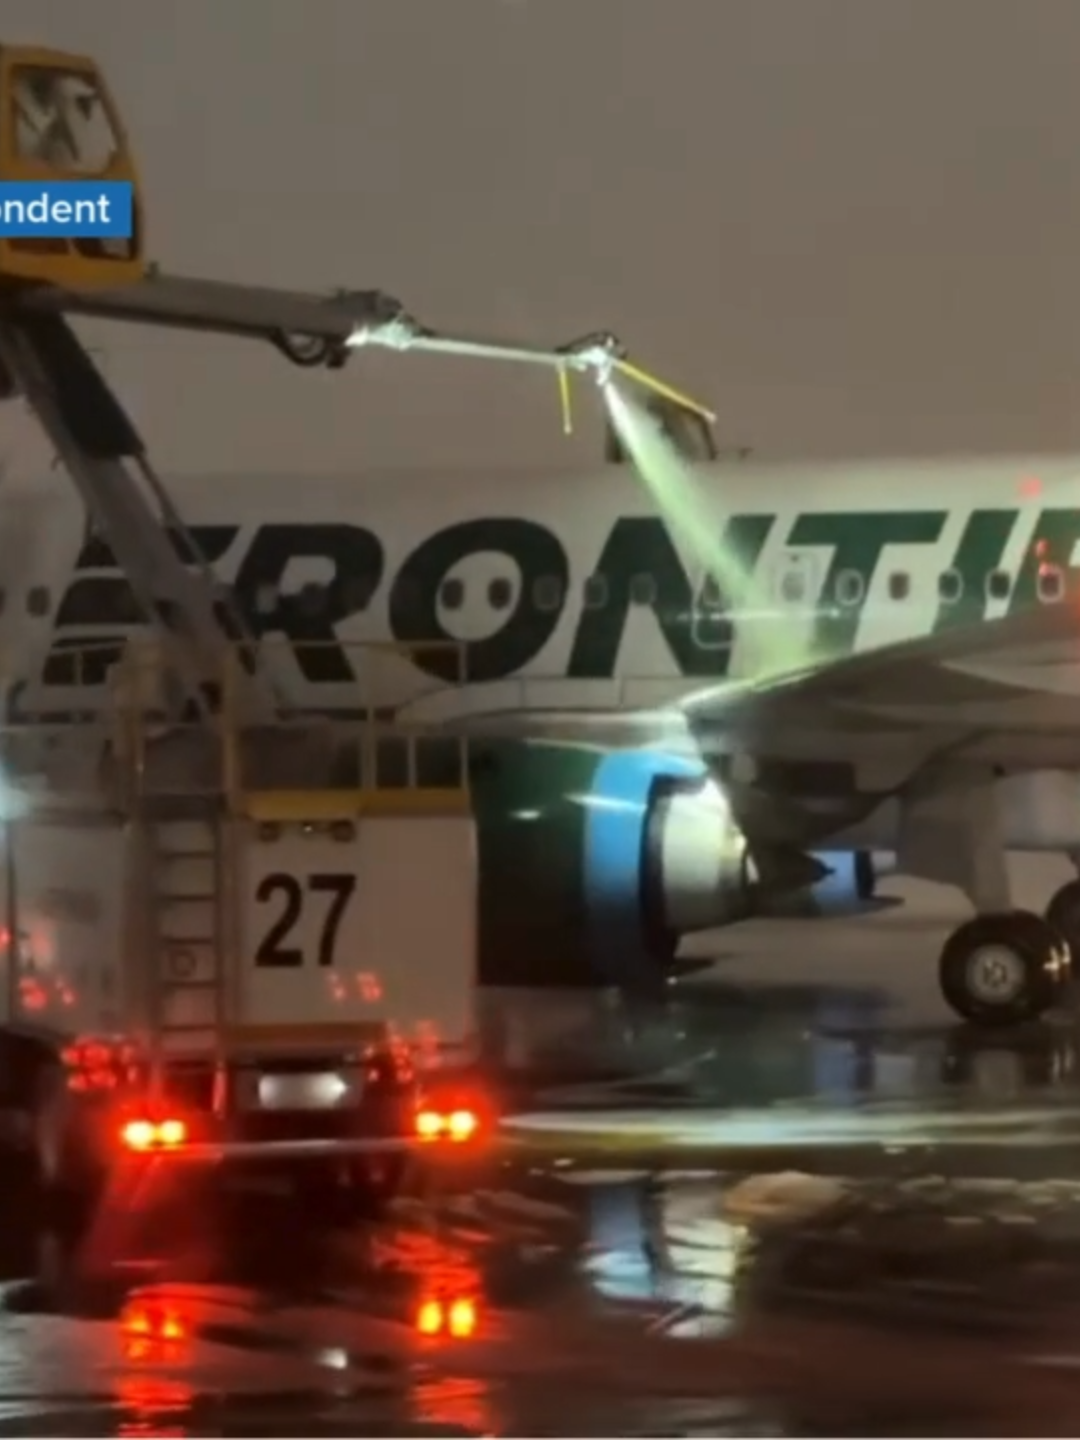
[66, 209]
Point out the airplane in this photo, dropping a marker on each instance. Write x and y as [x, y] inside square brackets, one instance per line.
[685, 710]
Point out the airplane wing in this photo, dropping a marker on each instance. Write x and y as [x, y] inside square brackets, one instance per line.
[1003, 692]
[1006, 691]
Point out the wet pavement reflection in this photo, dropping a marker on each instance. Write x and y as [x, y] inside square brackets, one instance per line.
[912, 1282]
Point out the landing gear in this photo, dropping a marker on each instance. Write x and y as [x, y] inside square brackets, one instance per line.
[1004, 969]
[1006, 966]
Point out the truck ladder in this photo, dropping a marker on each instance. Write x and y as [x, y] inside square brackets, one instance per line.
[189, 893]
[104, 455]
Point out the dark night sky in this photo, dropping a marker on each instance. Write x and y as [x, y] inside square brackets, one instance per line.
[854, 225]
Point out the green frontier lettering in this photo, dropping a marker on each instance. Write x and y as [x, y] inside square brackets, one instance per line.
[353, 555]
[356, 559]
[699, 629]
[857, 540]
[107, 602]
[981, 548]
[414, 596]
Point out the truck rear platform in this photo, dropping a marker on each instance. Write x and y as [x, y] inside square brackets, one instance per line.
[236, 972]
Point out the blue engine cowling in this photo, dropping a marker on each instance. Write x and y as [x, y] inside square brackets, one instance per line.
[593, 865]
[664, 857]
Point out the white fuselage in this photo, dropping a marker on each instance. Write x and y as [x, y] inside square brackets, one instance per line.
[902, 519]
[566, 592]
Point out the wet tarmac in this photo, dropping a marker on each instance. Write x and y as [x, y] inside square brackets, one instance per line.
[803, 1220]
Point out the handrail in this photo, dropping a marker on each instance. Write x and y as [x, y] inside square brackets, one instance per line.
[372, 750]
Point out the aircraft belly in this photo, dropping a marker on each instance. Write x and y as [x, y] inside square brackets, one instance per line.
[1040, 811]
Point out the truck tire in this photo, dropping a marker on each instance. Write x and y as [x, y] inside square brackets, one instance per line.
[68, 1176]
[377, 1183]
[341, 1196]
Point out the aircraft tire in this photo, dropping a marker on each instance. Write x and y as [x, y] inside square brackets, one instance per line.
[1004, 969]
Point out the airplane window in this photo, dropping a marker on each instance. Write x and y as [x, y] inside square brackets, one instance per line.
[596, 592]
[950, 586]
[1050, 584]
[998, 585]
[899, 585]
[849, 587]
[547, 593]
[37, 600]
[500, 593]
[452, 593]
[643, 590]
[793, 587]
[266, 599]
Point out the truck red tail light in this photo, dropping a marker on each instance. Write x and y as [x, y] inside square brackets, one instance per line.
[154, 1331]
[457, 1318]
[142, 1135]
[457, 1125]
[100, 1063]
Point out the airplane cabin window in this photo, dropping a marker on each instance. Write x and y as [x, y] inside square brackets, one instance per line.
[596, 592]
[643, 590]
[37, 600]
[998, 585]
[452, 593]
[1050, 584]
[547, 593]
[950, 586]
[500, 593]
[899, 585]
[850, 588]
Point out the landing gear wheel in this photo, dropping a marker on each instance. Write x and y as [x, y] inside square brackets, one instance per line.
[1063, 913]
[1004, 969]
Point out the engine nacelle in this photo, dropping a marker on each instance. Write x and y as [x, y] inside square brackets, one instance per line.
[594, 864]
[698, 873]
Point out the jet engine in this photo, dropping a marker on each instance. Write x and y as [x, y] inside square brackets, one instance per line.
[594, 864]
